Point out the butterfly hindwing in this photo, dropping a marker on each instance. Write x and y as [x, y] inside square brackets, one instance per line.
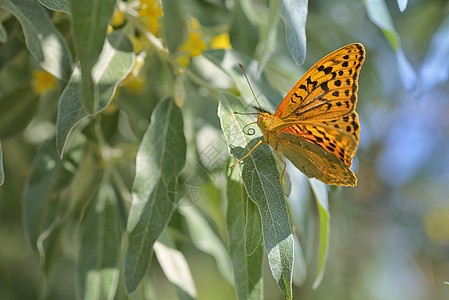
[314, 161]
[333, 140]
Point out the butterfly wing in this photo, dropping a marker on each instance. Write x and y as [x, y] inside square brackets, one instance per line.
[336, 137]
[328, 90]
[320, 108]
[314, 161]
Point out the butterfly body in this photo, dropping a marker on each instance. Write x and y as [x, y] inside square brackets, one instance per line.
[316, 126]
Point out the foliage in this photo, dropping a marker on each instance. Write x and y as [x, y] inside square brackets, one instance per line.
[117, 132]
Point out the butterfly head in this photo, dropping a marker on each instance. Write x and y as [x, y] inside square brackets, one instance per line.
[264, 121]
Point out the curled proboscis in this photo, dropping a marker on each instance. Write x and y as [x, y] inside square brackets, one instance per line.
[249, 130]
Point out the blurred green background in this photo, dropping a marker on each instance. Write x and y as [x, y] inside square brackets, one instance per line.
[389, 235]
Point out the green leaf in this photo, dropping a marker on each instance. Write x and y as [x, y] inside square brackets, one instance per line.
[90, 21]
[446, 282]
[114, 64]
[378, 13]
[97, 270]
[253, 228]
[41, 194]
[2, 174]
[56, 5]
[43, 40]
[320, 192]
[300, 265]
[175, 267]
[248, 277]
[87, 178]
[402, 5]
[294, 15]
[261, 179]
[435, 66]
[16, 110]
[268, 97]
[161, 157]
[174, 24]
[205, 239]
[407, 74]
[269, 40]
[244, 41]
[3, 34]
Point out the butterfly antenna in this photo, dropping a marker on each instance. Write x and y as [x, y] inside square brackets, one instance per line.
[245, 114]
[241, 67]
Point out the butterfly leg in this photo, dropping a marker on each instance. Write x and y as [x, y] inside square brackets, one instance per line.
[247, 154]
[283, 171]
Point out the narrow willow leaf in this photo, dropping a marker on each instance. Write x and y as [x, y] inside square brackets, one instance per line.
[294, 15]
[90, 21]
[248, 277]
[56, 5]
[3, 34]
[267, 95]
[300, 266]
[244, 41]
[269, 41]
[407, 74]
[87, 178]
[43, 40]
[97, 270]
[320, 192]
[261, 179]
[435, 67]
[17, 109]
[378, 13]
[253, 228]
[175, 267]
[40, 198]
[161, 157]
[205, 239]
[2, 174]
[174, 24]
[114, 64]
[402, 5]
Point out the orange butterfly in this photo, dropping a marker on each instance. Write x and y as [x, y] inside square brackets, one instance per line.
[316, 126]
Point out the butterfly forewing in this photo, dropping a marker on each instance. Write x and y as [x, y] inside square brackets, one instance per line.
[328, 90]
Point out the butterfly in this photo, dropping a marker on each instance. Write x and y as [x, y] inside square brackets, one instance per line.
[316, 126]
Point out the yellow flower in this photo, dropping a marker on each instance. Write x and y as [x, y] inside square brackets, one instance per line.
[194, 25]
[135, 82]
[150, 11]
[194, 45]
[139, 42]
[183, 59]
[112, 107]
[135, 85]
[117, 18]
[42, 82]
[436, 224]
[221, 41]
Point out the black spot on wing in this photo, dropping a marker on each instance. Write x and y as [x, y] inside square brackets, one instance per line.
[325, 87]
